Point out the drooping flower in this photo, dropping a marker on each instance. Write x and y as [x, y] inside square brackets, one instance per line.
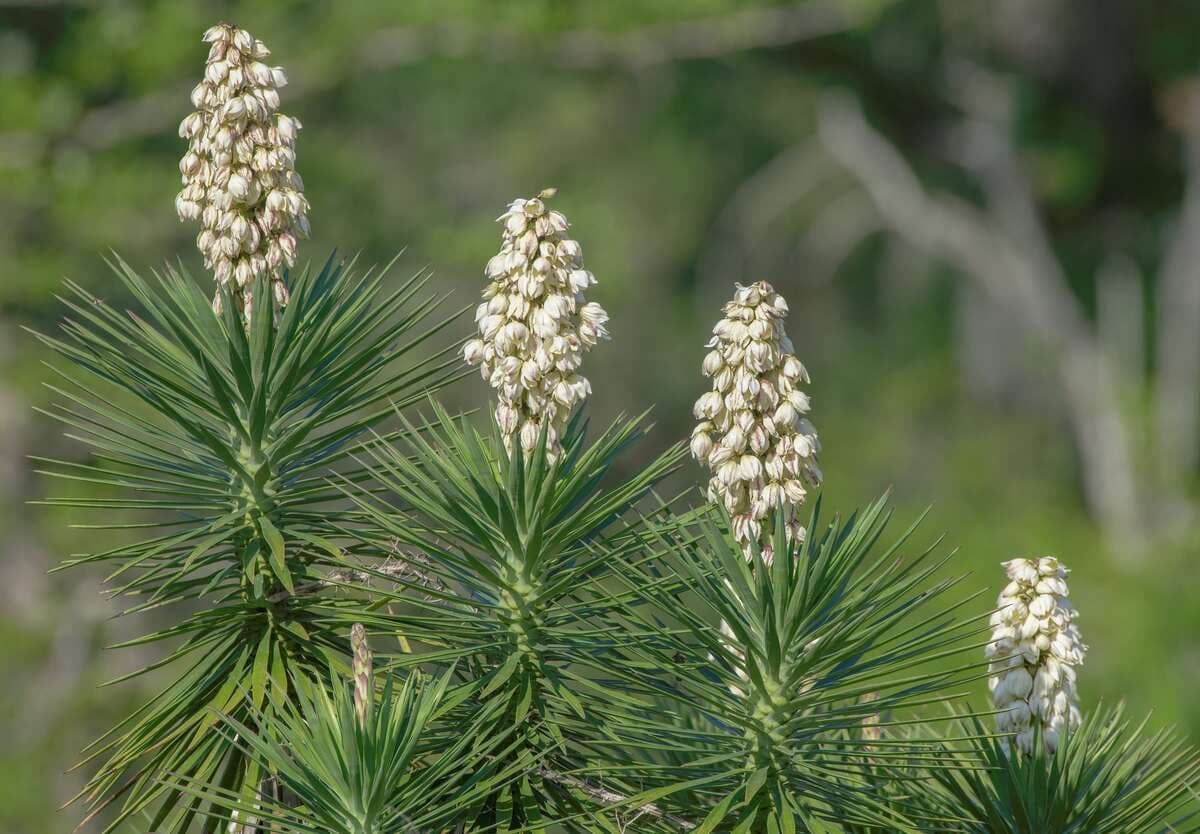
[239, 177]
[1034, 651]
[535, 325]
[752, 434]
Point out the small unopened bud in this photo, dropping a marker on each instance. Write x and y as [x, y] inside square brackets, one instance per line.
[473, 351]
[364, 687]
[260, 73]
[243, 40]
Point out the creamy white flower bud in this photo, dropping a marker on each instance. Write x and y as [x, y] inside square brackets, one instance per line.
[190, 164]
[734, 440]
[239, 187]
[260, 73]
[241, 273]
[190, 125]
[287, 242]
[749, 468]
[243, 40]
[593, 313]
[795, 491]
[760, 440]
[709, 406]
[713, 362]
[581, 279]
[287, 127]
[473, 351]
[570, 251]
[529, 435]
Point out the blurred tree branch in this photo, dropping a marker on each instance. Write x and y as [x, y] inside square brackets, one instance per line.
[1006, 249]
[581, 49]
[742, 225]
[1177, 352]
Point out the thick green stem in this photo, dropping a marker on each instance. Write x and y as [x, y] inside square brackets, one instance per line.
[767, 738]
[524, 623]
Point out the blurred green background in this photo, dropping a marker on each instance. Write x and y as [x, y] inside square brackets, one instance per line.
[984, 213]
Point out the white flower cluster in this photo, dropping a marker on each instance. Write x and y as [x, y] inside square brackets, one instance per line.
[239, 177]
[752, 435]
[534, 325]
[1034, 650]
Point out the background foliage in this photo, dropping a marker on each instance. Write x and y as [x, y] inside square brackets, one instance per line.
[695, 143]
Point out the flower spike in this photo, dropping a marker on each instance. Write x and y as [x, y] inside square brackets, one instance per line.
[752, 434]
[535, 325]
[1034, 651]
[239, 177]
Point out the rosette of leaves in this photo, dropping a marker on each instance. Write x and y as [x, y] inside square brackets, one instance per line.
[772, 685]
[507, 560]
[343, 773]
[223, 437]
[1108, 776]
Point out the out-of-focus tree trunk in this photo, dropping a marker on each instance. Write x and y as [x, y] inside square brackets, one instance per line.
[1005, 249]
[1177, 347]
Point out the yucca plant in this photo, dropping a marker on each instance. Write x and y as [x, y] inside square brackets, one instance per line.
[1108, 775]
[509, 557]
[226, 434]
[573, 651]
[356, 758]
[559, 607]
[763, 644]
[225, 426]
[512, 533]
[1051, 769]
[783, 669]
